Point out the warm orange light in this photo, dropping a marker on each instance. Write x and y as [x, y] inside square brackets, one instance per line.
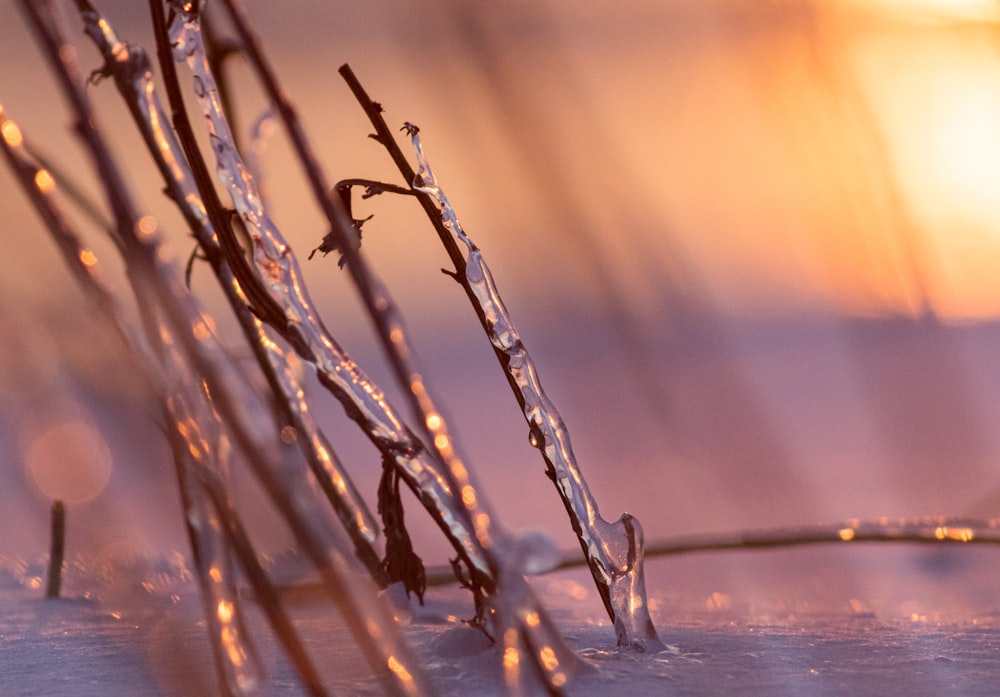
[548, 657]
[44, 181]
[958, 534]
[510, 658]
[468, 496]
[225, 611]
[146, 226]
[935, 11]
[11, 134]
[937, 100]
[400, 670]
[966, 145]
[87, 257]
[846, 534]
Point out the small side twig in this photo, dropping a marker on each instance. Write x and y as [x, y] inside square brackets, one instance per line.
[58, 550]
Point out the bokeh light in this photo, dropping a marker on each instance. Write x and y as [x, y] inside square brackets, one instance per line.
[69, 461]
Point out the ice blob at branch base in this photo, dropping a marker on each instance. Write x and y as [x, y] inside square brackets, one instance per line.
[613, 550]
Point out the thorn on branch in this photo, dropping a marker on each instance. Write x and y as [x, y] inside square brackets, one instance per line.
[98, 74]
[331, 241]
[189, 267]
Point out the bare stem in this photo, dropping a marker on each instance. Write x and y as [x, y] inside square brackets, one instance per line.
[58, 549]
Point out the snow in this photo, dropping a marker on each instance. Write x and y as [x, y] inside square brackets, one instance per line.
[137, 630]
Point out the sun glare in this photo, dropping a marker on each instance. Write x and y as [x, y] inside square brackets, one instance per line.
[936, 97]
[935, 11]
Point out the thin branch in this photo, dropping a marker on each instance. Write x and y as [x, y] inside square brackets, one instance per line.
[132, 74]
[445, 504]
[263, 305]
[155, 281]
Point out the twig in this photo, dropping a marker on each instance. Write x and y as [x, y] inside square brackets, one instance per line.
[395, 342]
[58, 550]
[613, 549]
[85, 267]
[934, 531]
[261, 302]
[154, 281]
[132, 74]
[363, 401]
[921, 531]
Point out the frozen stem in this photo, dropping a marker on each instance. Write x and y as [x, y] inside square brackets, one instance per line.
[159, 287]
[132, 73]
[613, 550]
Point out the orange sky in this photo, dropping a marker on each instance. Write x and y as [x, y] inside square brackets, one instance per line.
[828, 156]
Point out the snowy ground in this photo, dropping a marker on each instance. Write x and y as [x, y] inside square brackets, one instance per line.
[138, 631]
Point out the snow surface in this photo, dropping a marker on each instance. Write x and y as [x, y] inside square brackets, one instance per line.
[134, 628]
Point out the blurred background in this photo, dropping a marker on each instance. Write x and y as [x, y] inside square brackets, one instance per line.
[751, 244]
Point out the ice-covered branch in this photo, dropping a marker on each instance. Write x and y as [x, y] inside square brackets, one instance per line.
[132, 73]
[304, 331]
[614, 550]
[239, 670]
[157, 282]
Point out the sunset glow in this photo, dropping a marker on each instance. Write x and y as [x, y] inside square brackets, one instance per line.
[936, 98]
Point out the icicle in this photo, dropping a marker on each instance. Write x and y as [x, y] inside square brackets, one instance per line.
[614, 550]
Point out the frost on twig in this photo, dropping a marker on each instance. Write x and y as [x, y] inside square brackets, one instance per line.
[613, 550]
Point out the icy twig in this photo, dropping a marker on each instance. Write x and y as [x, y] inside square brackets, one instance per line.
[132, 73]
[932, 530]
[207, 525]
[381, 307]
[362, 399]
[156, 281]
[613, 550]
[515, 602]
[227, 641]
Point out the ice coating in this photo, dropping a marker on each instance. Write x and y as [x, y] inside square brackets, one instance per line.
[239, 665]
[130, 67]
[160, 292]
[237, 662]
[613, 550]
[278, 268]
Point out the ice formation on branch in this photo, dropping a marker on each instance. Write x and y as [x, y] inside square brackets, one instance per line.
[279, 270]
[132, 73]
[613, 550]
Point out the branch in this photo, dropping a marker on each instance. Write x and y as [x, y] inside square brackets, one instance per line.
[130, 69]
